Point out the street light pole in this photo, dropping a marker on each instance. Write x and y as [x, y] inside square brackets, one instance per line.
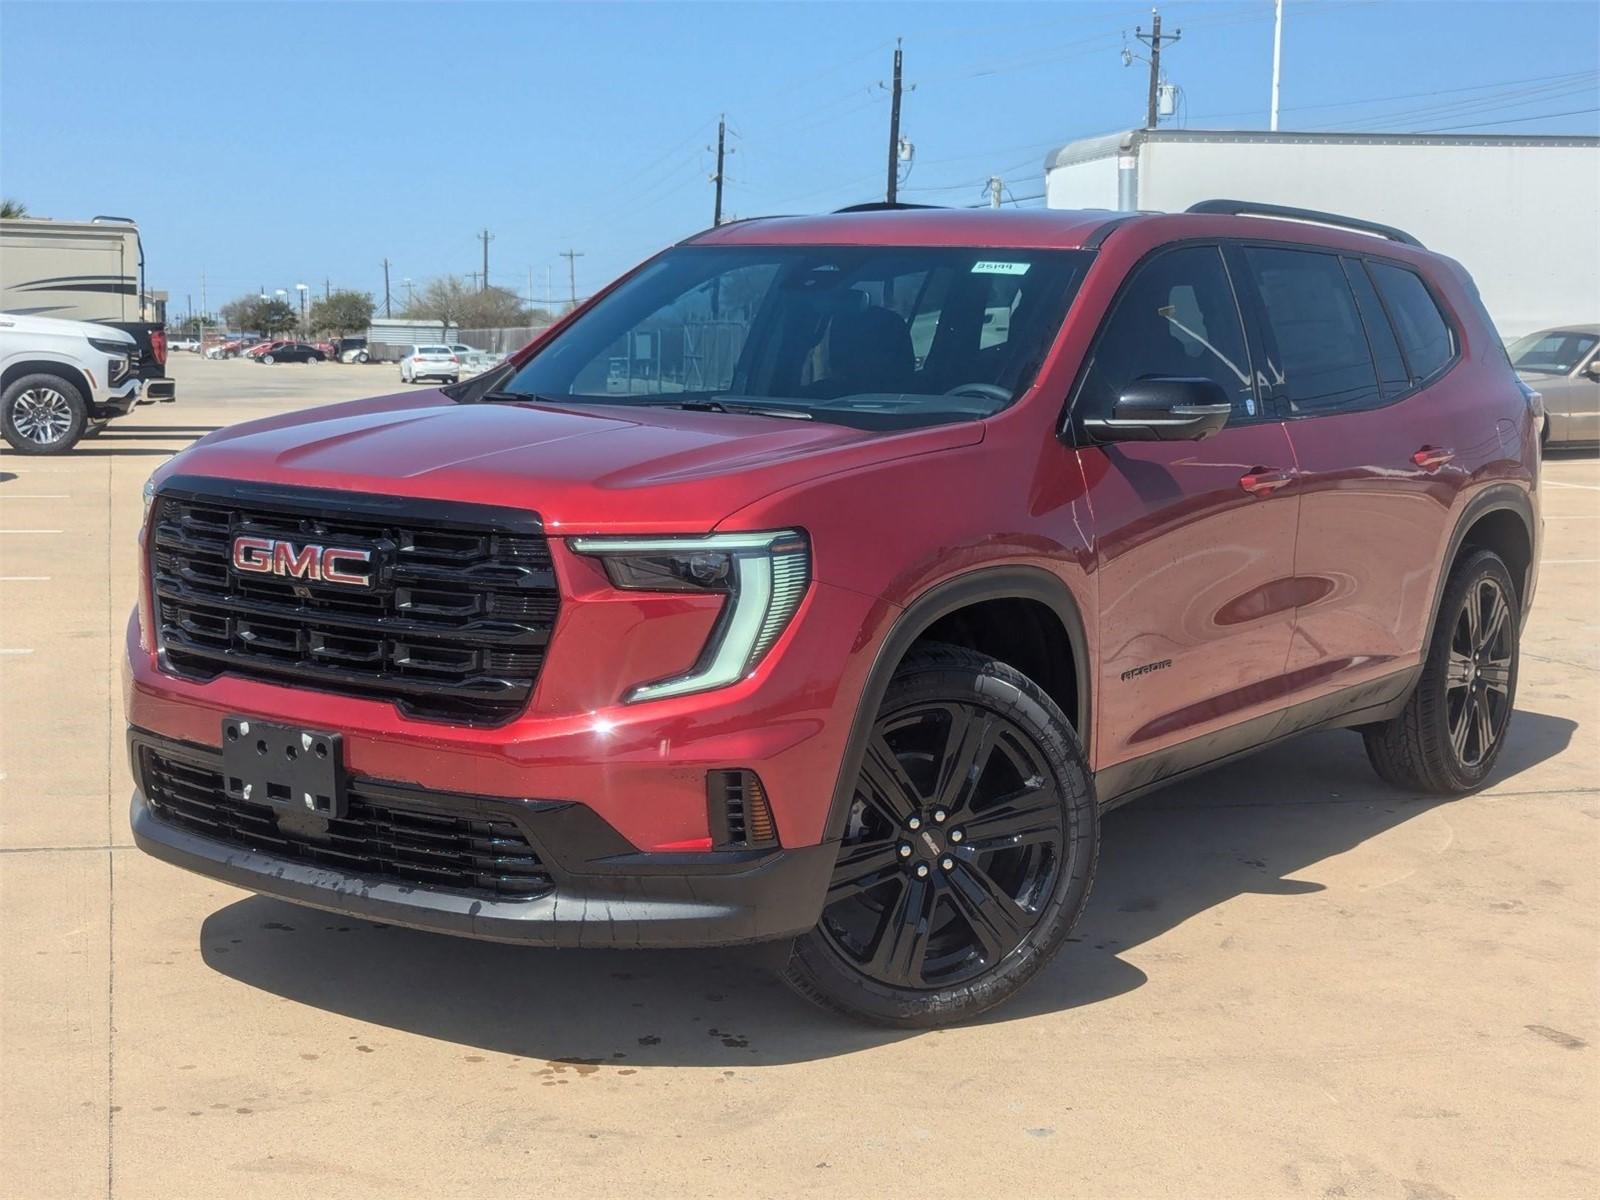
[1277, 58]
[301, 288]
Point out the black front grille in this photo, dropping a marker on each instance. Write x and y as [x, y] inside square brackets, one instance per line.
[453, 625]
[387, 835]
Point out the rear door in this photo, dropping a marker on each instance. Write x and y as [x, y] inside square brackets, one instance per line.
[1194, 541]
[1357, 352]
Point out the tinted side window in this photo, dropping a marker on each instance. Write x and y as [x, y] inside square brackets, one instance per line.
[1323, 357]
[1422, 329]
[1177, 318]
[1392, 376]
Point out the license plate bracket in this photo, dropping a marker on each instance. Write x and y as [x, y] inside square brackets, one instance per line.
[284, 767]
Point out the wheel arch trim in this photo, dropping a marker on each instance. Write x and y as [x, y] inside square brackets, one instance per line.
[1502, 497]
[972, 587]
[67, 370]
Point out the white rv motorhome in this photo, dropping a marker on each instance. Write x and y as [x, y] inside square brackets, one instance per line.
[86, 271]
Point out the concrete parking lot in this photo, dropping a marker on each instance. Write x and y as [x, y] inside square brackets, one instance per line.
[1291, 980]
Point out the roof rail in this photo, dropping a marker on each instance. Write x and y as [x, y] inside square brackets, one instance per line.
[883, 206]
[1237, 208]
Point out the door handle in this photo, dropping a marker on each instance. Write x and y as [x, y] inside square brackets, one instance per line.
[1264, 481]
[1431, 458]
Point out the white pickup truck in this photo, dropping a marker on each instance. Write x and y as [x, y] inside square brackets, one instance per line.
[62, 380]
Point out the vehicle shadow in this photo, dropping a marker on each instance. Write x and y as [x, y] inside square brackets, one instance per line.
[1244, 828]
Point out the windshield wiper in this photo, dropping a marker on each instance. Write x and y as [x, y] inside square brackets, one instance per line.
[734, 406]
[519, 397]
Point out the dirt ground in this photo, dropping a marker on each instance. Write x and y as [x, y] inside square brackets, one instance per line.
[1291, 980]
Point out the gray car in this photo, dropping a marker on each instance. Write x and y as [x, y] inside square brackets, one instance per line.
[1562, 366]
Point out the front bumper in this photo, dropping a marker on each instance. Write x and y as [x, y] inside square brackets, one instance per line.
[605, 894]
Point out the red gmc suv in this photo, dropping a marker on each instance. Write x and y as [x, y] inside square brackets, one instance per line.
[825, 578]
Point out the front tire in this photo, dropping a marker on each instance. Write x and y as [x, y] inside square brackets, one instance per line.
[968, 852]
[42, 414]
[268, 359]
[1450, 733]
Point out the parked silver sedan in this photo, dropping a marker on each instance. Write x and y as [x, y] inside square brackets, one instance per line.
[1562, 365]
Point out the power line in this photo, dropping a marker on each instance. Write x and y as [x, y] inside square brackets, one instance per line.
[1574, 112]
[1476, 87]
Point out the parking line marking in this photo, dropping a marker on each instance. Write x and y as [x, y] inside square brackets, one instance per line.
[1566, 562]
[1586, 487]
[16, 651]
[54, 496]
[24, 579]
[30, 531]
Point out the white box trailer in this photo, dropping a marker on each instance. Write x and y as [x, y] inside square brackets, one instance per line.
[388, 337]
[1522, 214]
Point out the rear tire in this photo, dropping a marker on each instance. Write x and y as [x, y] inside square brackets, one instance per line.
[968, 853]
[1449, 735]
[268, 359]
[42, 414]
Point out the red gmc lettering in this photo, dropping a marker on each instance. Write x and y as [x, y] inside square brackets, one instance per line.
[301, 564]
[326, 564]
[252, 555]
[330, 566]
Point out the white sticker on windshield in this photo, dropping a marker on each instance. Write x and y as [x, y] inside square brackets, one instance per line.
[1000, 268]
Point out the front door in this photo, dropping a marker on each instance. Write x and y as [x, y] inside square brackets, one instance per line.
[1194, 541]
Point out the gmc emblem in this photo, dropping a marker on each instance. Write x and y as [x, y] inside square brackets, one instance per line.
[324, 564]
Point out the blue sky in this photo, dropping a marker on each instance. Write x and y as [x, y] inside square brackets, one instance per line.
[266, 144]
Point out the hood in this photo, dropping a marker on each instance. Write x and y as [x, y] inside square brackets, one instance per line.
[583, 468]
[54, 327]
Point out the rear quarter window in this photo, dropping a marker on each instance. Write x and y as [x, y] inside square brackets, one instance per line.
[1424, 334]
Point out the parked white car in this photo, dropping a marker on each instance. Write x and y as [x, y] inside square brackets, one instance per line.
[62, 380]
[192, 345]
[430, 362]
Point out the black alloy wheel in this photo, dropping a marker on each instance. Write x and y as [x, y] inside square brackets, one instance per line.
[1453, 727]
[1478, 679]
[967, 851]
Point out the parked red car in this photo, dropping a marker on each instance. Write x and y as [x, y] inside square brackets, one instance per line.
[825, 578]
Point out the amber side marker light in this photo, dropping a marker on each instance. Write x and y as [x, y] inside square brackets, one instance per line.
[739, 812]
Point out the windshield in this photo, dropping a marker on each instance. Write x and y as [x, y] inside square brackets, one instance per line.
[877, 337]
[1555, 351]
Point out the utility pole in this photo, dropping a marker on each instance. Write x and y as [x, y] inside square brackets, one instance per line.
[486, 237]
[722, 136]
[410, 291]
[386, 311]
[572, 257]
[327, 288]
[995, 184]
[1277, 58]
[893, 187]
[1153, 39]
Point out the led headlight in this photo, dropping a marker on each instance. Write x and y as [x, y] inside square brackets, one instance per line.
[764, 576]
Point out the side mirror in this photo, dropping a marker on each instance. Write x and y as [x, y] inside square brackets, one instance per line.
[1593, 369]
[1164, 410]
